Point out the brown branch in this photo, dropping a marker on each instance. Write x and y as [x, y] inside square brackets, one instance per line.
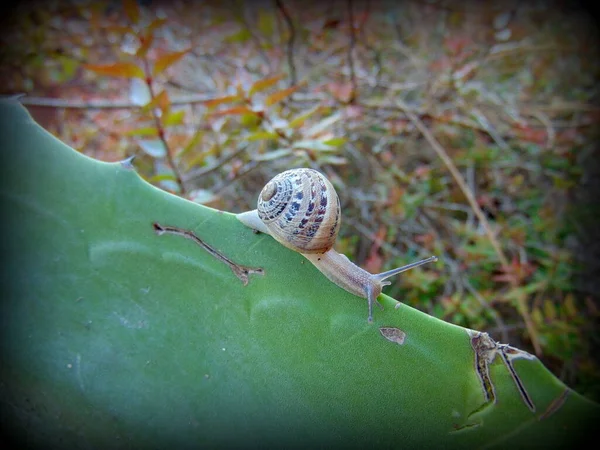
[290, 42]
[350, 51]
[560, 107]
[195, 174]
[378, 65]
[161, 130]
[443, 155]
[255, 38]
[500, 325]
[241, 172]
[104, 104]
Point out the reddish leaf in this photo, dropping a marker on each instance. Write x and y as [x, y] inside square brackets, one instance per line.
[261, 85]
[341, 91]
[374, 261]
[161, 101]
[361, 18]
[440, 64]
[119, 29]
[422, 171]
[331, 24]
[280, 95]
[146, 41]
[537, 136]
[218, 101]
[516, 272]
[237, 110]
[456, 44]
[426, 239]
[155, 24]
[167, 60]
[132, 10]
[127, 70]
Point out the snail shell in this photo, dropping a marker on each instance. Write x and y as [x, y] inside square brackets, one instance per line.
[301, 210]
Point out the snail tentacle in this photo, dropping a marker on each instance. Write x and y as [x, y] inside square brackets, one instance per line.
[390, 273]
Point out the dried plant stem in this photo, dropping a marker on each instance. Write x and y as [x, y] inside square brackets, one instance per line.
[62, 103]
[500, 325]
[351, 50]
[522, 306]
[196, 174]
[255, 38]
[458, 178]
[290, 42]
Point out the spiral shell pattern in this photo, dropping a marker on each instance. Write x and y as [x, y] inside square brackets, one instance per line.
[301, 210]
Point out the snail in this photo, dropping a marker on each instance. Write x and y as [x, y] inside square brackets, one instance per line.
[300, 209]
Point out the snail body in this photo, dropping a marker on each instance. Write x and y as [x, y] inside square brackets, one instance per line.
[301, 210]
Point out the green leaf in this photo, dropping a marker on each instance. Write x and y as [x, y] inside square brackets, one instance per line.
[313, 144]
[132, 10]
[69, 68]
[323, 125]
[174, 118]
[261, 136]
[273, 155]
[145, 131]
[266, 22]
[299, 120]
[549, 310]
[335, 142]
[250, 120]
[334, 160]
[162, 177]
[192, 144]
[153, 147]
[113, 336]
[240, 36]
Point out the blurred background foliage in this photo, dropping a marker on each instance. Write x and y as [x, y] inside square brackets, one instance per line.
[461, 129]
